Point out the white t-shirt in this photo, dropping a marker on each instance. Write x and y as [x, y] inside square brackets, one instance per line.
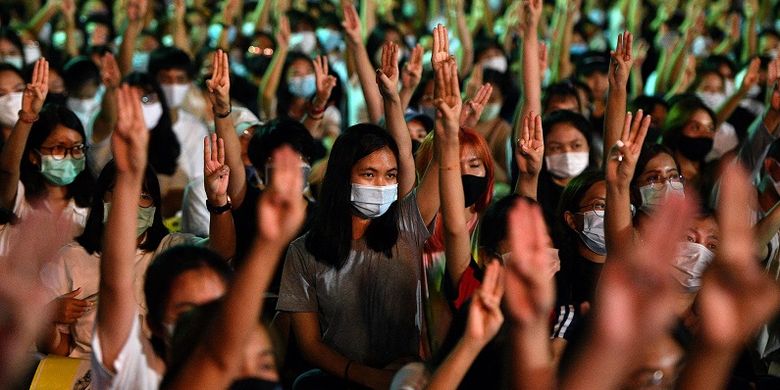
[70, 223]
[131, 368]
[74, 267]
[190, 132]
[195, 216]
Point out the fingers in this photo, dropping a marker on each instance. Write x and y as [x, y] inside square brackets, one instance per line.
[220, 151]
[628, 43]
[619, 46]
[207, 149]
[734, 216]
[417, 55]
[483, 94]
[215, 67]
[72, 294]
[636, 123]
[538, 131]
[454, 84]
[287, 170]
[657, 232]
[626, 127]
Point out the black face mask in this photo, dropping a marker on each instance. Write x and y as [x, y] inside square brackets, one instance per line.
[257, 64]
[56, 98]
[694, 148]
[415, 145]
[473, 188]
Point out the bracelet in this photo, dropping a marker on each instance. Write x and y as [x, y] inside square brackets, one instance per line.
[27, 117]
[346, 370]
[225, 115]
[316, 117]
[316, 111]
[219, 209]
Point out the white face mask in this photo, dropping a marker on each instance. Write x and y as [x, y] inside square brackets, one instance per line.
[152, 114]
[32, 52]
[16, 61]
[372, 201]
[303, 41]
[725, 140]
[141, 61]
[729, 87]
[690, 263]
[145, 217]
[567, 165]
[175, 93]
[490, 112]
[593, 232]
[654, 197]
[84, 106]
[497, 63]
[713, 100]
[10, 104]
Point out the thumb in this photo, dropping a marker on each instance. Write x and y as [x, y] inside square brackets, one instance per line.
[73, 293]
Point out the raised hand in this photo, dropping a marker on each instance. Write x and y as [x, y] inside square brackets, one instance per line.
[485, 316]
[635, 296]
[325, 82]
[640, 53]
[542, 58]
[623, 156]
[773, 82]
[734, 282]
[136, 10]
[219, 84]
[751, 76]
[67, 309]
[441, 47]
[411, 74]
[533, 13]
[68, 9]
[283, 33]
[446, 93]
[621, 61]
[470, 114]
[130, 139]
[387, 75]
[530, 291]
[474, 82]
[216, 173]
[230, 11]
[530, 146]
[281, 210]
[351, 23]
[35, 92]
[109, 71]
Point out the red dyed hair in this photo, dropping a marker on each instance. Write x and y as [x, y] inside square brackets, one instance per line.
[467, 137]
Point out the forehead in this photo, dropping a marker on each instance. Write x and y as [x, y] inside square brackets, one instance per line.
[379, 159]
[6, 46]
[597, 191]
[10, 79]
[173, 73]
[707, 225]
[62, 135]
[196, 286]
[662, 162]
[301, 66]
[564, 133]
[701, 116]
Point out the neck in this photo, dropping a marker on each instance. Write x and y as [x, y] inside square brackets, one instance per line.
[583, 251]
[562, 182]
[174, 112]
[359, 226]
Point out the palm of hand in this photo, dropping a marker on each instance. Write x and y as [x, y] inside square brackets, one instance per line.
[482, 324]
[217, 175]
[529, 156]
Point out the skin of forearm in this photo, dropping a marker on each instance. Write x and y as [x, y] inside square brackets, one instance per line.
[707, 368]
[615, 115]
[108, 116]
[10, 157]
[237, 180]
[270, 82]
[126, 48]
[618, 225]
[367, 77]
[451, 372]
[396, 126]
[532, 363]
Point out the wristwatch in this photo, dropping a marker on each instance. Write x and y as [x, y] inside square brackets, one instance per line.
[219, 209]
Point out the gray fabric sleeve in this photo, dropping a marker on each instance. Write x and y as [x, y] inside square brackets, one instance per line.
[753, 150]
[410, 219]
[297, 292]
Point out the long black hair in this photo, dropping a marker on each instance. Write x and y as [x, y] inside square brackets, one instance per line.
[49, 118]
[92, 237]
[164, 148]
[330, 238]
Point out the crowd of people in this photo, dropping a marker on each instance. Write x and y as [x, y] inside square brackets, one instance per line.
[391, 194]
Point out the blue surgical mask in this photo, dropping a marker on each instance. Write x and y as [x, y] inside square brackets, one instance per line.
[592, 234]
[654, 197]
[145, 217]
[61, 172]
[302, 86]
[16, 61]
[330, 39]
[577, 49]
[372, 201]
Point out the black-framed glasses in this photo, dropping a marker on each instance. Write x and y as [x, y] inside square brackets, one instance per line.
[59, 152]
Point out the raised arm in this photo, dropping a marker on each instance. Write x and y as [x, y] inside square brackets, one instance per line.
[363, 67]
[136, 11]
[216, 361]
[13, 150]
[270, 81]
[456, 9]
[230, 10]
[530, 298]
[69, 15]
[107, 117]
[219, 95]
[117, 307]
[222, 231]
[325, 84]
[411, 76]
[723, 112]
[181, 38]
[528, 155]
[484, 321]
[731, 287]
[620, 167]
[456, 233]
[43, 16]
[617, 95]
[532, 74]
[749, 34]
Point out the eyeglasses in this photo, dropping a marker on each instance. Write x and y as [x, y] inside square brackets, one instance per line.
[599, 208]
[150, 98]
[658, 181]
[59, 152]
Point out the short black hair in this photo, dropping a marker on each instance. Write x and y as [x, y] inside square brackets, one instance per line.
[78, 72]
[563, 88]
[274, 134]
[165, 58]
